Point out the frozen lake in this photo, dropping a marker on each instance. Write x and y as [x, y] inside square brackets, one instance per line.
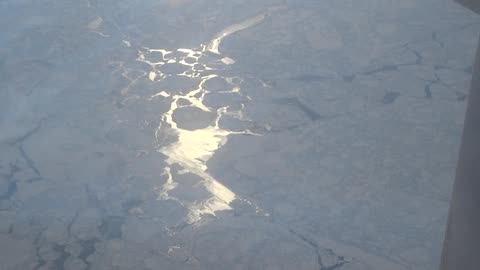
[239, 134]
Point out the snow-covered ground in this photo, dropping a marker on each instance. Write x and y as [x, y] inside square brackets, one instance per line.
[240, 134]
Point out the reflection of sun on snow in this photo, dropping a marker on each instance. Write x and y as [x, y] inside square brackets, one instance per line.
[191, 151]
[194, 148]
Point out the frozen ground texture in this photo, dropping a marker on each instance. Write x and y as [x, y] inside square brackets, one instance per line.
[241, 134]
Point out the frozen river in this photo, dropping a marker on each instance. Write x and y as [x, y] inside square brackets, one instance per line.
[239, 134]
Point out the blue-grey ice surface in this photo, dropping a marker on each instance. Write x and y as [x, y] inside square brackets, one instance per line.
[240, 134]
